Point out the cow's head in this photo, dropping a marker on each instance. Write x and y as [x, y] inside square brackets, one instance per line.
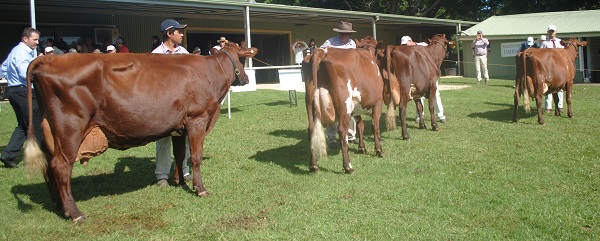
[574, 42]
[232, 49]
[369, 42]
[440, 39]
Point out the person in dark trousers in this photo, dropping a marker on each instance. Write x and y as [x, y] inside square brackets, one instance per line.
[15, 70]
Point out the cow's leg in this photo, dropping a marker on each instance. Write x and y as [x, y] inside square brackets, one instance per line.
[516, 102]
[53, 187]
[62, 170]
[343, 133]
[376, 116]
[197, 131]
[179, 154]
[538, 101]
[402, 108]
[431, 101]
[555, 99]
[419, 105]
[569, 91]
[360, 128]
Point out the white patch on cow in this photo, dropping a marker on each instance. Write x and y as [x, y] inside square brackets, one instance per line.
[376, 67]
[545, 87]
[354, 98]
[350, 165]
[324, 96]
[325, 49]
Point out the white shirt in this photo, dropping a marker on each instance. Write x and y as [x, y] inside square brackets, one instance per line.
[298, 51]
[162, 49]
[552, 44]
[335, 42]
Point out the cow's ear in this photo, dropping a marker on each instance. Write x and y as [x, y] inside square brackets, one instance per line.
[379, 44]
[249, 53]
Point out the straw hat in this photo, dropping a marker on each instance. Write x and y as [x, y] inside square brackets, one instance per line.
[345, 27]
[223, 39]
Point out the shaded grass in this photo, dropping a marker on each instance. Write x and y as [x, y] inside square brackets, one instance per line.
[481, 177]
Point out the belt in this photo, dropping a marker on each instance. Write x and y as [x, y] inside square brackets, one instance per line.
[18, 86]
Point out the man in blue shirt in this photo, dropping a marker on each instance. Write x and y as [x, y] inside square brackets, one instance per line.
[15, 70]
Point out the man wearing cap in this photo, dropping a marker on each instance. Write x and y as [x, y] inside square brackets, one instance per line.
[48, 50]
[14, 68]
[342, 41]
[111, 49]
[121, 46]
[172, 37]
[527, 44]
[438, 107]
[540, 41]
[197, 51]
[480, 50]
[222, 41]
[553, 43]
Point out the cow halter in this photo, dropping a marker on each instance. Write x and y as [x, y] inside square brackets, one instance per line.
[443, 45]
[235, 69]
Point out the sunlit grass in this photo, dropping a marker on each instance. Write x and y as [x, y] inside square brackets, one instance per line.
[481, 177]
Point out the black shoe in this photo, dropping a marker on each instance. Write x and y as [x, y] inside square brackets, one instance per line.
[8, 163]
[333, 145]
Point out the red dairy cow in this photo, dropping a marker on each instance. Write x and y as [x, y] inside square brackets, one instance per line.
[91, 102]
[411, 72]
[341, 83]
[542, 72]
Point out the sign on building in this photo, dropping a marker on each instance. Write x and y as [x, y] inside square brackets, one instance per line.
[509, 49]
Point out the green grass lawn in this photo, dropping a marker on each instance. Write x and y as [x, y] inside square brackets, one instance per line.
[481, 177]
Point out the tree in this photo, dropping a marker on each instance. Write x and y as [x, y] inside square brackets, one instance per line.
[468, 10]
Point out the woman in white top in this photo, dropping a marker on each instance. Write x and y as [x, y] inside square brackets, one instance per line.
[299, 46]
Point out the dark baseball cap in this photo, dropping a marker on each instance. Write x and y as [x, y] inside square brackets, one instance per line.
[171, 23]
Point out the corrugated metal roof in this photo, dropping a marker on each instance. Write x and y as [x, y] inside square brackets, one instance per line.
[569, 23]
[223, 9]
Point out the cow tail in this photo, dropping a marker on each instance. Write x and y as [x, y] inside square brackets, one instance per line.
[318, 143]
[390, 118]
[35, 160]
[523, 84]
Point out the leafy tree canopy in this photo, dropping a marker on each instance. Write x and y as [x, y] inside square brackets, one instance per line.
[468, 10]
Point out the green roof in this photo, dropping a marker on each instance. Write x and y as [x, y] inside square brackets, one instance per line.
[584, 23]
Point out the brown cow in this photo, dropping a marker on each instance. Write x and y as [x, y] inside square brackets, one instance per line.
[545, 71]
[411, 72]
[341, 83]
[91, 102]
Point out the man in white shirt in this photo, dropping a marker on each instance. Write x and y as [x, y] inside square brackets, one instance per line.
[342, 41]
[439, 108]
[172, 35]
[552, 42]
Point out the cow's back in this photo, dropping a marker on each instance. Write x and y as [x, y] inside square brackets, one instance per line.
[137, 91]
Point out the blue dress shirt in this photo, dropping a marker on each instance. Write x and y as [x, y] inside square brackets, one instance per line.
[15, 66]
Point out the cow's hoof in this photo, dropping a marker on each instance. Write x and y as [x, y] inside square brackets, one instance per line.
[435, 128]
[362, 150]
[379, 153]
[80, 219]
[203, 193]
[570, 115]
[422, 127]
[406, 137]
[314, 169]
[349, 170]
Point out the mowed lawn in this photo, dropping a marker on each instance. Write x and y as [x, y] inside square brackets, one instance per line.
[481, 177]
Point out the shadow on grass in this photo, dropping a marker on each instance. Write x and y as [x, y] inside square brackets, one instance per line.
[499, 115]
[130, 174]
[295, 158]
[233, 110]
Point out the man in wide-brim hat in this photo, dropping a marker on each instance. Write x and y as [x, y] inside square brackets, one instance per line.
[342, 41]
[217, 48]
